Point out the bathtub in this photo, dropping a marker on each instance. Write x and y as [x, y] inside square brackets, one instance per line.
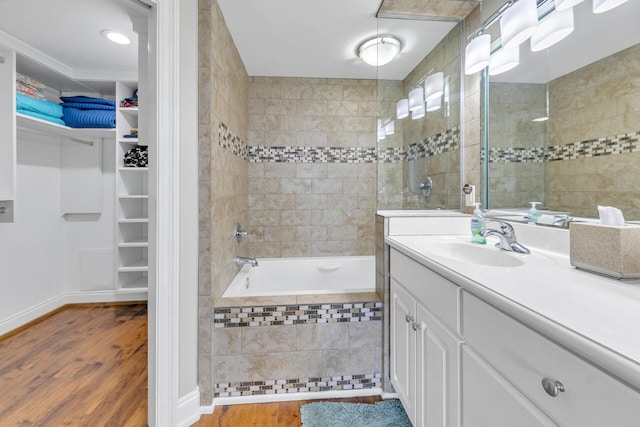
[304, 276]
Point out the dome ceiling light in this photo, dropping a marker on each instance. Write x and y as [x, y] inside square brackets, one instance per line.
[379, 50]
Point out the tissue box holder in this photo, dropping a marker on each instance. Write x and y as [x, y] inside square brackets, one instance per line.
[606, 249]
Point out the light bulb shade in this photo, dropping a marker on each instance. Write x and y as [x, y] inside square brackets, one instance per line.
[518, 23]
[566, 4]
[553, 28]
[434, 104]
[503, 60]
[390, 128]
[600, 6]
[434, 86]
[418, 113]
[416, 98]
[379, 50]
[477, 54]
[402, 109]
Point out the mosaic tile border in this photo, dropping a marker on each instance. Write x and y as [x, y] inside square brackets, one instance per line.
[288, 154]
[606, 146]
[231, 142]
[618, 144]
[437, 144]
[274, 315]
[297, 385]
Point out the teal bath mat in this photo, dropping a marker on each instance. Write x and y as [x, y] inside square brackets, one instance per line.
[387, 413]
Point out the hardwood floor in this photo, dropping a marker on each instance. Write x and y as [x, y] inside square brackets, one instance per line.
[86, 366]
[81, 366]
[280, 414]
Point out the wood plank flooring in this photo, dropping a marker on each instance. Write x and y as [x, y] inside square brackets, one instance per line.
[81, 366]
[280, 414]
[86, 366]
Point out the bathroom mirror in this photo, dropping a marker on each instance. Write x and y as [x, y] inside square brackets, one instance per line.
[586, 153]
[419, 155]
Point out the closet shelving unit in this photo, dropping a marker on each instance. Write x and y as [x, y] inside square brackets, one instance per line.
[132, 190]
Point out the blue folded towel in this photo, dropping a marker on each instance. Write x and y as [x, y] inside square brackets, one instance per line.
[47, 108]
[40, 116]
[88, 99]
[76, 118]
[87, 106]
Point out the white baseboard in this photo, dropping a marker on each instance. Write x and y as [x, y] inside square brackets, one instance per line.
[189, 408]
[285, 397]
[32, 313]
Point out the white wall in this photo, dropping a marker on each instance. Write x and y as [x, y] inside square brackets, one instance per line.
[31, 248]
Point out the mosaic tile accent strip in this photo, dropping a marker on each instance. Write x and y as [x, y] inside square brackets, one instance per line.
[297, 385]
[606, 146]
[437, 144]
[273, 315]
[515, 155]
[260, 154]
[618, 144]
[231, 142]
[392, 155]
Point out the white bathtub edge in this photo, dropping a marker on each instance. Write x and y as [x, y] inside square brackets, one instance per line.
[284, 397]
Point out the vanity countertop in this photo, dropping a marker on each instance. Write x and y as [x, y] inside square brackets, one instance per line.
[592, 315]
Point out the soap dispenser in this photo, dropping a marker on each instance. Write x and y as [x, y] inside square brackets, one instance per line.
[477, 225]
[533, 212]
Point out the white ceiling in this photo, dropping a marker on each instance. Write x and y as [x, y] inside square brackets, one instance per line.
[69, 32]
[312, 38]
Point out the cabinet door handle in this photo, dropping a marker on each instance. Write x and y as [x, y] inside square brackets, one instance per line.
[552, 387]
[408, 318]
[416, 326]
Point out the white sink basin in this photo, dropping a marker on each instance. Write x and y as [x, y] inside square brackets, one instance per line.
[479, 254]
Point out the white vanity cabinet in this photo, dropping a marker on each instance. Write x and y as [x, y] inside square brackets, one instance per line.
[425, 347]
[568, 389]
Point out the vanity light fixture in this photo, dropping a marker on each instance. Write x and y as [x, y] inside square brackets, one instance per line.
[115, 37]
[418, 113]
[390, 128]
[379, 50]
[416, 99]
[518, 23]
[381, 134]
[503, 60]
[600, 6]
[553, 28]
[402, 109]
[434, 86]
[566, 4]
[477, 54]
[434, 104]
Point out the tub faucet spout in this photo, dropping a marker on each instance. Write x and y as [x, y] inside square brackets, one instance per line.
[242, 260]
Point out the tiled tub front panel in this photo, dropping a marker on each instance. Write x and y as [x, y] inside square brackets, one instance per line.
[291, 349]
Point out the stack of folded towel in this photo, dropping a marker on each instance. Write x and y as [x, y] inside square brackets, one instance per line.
[31, 102]
[88, 112]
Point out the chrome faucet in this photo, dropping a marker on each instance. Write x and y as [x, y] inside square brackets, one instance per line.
[242, 260]
[507, 237]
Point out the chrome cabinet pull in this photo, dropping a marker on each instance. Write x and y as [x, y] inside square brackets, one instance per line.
[552, 387]
[416, 326]
[408, 318]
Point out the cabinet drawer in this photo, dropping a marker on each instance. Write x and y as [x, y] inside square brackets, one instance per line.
[525, 358]
[437, 294]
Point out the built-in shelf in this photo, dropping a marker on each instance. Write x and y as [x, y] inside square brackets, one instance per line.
[133, 220]
[140, 244]
[133, 196]
[133, 169]
[141, 264]
[128, 109]
[128, 140]
[32, 124]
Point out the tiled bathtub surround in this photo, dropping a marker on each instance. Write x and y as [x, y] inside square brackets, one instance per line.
[258, 356]
[227, 317]
[433, 145]
[619, 144]
[297, 385]
[232, 143]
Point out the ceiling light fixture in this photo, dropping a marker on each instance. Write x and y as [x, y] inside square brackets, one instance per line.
[518, 23]
[553, 28]
[379, 50]
[600, 6]
[116, 37]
